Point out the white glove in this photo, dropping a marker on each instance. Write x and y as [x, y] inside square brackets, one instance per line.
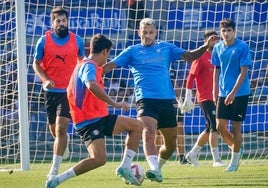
[188, 104]
[180, 102]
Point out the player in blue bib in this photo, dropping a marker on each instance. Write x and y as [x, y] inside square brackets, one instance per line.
[149, 63]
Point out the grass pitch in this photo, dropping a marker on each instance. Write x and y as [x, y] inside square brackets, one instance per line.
[248, 175]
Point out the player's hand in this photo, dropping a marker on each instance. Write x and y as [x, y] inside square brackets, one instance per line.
[188, 104]
[212, 40]
[180, 102]
[48, 84]
[122, 105]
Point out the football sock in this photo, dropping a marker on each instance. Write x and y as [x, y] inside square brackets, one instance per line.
[153, 162]
[235, 158]
[57, 159]
[161, 162]
[66, 175]
[215, 154]
[196, 149]
[127, 158]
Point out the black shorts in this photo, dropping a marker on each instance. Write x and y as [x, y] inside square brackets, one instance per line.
[56, 105]
[209, 111]
[160, 109]
[235, 111]
[97, 130]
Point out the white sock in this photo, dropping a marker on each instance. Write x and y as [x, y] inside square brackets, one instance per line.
[57, 159]
[66, 175]
[196, 149]
[161, 162]
[127, 158]
[235, 158]
[215, 154]
[153, 162]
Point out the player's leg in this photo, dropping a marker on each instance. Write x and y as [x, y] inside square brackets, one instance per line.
[181, 140]
[223, 114]
[97, 158]
[192, 155]
[209, 109]
[158, 140]
[170, 142]
[58, 118]
[134, 129]
[239, 108]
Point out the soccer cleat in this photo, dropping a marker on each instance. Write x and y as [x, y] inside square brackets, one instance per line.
[52, 182]
[183, 160]
[231, 168]
[154, 175]
[219, 164]
[192, 159]
[127, 175]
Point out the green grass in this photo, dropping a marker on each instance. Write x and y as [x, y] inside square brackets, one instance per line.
[248, 175]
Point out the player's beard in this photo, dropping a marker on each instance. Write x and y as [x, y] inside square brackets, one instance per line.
[62, 31]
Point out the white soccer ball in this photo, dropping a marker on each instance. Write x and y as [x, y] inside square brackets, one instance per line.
[138, 172]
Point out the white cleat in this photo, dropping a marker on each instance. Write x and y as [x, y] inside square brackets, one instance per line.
[219, 164]
[192, 159]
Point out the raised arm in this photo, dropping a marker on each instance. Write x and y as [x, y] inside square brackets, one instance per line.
[196, 53]
[107, 67]
[215, 91]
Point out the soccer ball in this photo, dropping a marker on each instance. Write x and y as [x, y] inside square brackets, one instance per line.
[138, 172]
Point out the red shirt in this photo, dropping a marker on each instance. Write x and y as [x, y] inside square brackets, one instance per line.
[59, 61]
[202, 71]
[84, 105]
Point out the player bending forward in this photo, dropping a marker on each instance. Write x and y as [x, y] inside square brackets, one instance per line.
[88, 105]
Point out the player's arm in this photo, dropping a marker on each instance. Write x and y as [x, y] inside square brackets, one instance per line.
[107, 67]
[47, 82]
[196, 53]
[216, 75]
[230, 97]
[93, 87]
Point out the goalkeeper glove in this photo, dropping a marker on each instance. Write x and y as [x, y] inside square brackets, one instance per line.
[188, 104]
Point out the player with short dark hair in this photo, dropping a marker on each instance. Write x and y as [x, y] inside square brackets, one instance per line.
[231, 87]
[56, 54]
[88, 104]
[149, 63]
[201, 72]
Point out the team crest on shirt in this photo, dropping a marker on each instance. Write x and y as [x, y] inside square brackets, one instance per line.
[158, 50]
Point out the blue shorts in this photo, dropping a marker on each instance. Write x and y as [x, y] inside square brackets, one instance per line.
[161, 110]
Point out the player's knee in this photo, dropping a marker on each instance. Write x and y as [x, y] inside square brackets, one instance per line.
[100, 161]
[139, 126]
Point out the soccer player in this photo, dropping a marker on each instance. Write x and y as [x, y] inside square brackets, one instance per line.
[231, 87]
[149, 63]
[88, 105]
[201, 72]
[56, 54]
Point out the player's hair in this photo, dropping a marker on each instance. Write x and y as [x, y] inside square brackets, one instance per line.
[208, 33]
[227, 23]
[98, 43]
[59, 11]
[147, 21]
